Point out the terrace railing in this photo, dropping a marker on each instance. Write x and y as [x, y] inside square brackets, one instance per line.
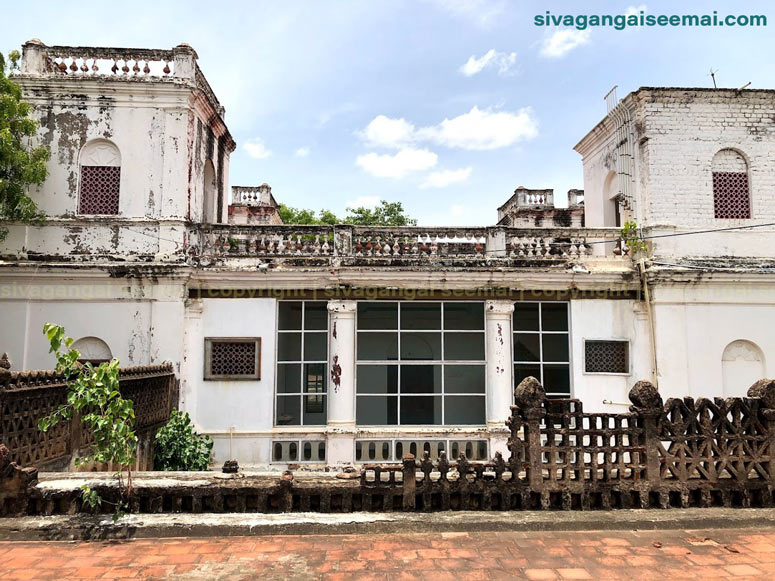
[409, 244]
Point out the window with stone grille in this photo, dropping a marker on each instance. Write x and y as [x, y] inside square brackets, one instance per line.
[731, 196]
[606, 356]
[100, 181]
[232, 358]
[302, 363]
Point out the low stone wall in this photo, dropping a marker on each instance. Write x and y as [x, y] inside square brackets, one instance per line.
[683, 453]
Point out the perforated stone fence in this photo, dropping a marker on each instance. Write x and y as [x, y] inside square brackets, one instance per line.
[678, 454]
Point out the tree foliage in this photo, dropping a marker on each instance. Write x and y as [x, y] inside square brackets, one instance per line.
[178, 447]
[94, 394]
[386, 214]
[21, 165]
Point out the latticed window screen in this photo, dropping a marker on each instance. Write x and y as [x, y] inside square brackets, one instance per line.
[606, 357]
[99, 189]
[232, 358]
[731, 198]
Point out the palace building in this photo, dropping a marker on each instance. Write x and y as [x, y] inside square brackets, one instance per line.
[338, 345]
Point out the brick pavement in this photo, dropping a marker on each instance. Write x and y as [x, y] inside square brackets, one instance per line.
[742, 554]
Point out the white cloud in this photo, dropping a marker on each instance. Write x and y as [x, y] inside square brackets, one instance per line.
[256, 149]
[562, 41]
[386, 132]
[398, 165]
[458, 210]
[482, 129]
[444, 178]
[301, 152]
[364, 202]
[482, 12]
[502, 60]
[635, 10]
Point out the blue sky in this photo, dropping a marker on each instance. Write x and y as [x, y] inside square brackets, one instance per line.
[446, 106]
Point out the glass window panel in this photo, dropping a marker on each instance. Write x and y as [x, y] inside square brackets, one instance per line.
[464, 316]
[557, 379]
[421, 379]
[373, 315]
[464, 346]
[376, 410]
[315, 348]
[523, 371]
[526, 316]
[378, 346]
[290, 315]
[421, 410]
[554, 316]
[315, 316]
[464, 379]
[421, 346]
[288, 378]
[315, 377]
[314, 410]
[289, 346]
[555, 347]
[377, 379]
[288, 410]
[420, 316]
[526, 347]
[466, 410]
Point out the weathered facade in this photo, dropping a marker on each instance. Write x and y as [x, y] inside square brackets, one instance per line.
[321, 345]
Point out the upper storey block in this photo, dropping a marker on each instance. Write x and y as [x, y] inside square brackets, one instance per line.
[679, 160]
[133, 133]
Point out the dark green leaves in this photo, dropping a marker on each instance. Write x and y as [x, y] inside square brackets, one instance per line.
[178, 447]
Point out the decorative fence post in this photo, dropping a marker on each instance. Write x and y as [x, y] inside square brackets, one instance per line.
[530, 397]
[764, 389]
[409, 482]
[648, 407]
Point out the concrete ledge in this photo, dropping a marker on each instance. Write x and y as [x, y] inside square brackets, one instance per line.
[88, 527]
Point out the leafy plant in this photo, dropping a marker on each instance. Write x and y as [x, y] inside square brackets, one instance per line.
[94, 394]
[633, 239]
[386, 214]
[21, 165]
[178, 447]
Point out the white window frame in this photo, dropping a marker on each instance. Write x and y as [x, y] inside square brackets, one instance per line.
[398, 363]
[608, 340]
[302, 393]
[540, 332]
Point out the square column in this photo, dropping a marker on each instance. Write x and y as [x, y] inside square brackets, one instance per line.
[341, 387]
[500, 383]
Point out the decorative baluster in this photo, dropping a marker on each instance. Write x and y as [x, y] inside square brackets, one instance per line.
[114, 68]
[73, 65]
[316, 245]
[136, 67]
[146, 68]
[377, 247]
[325, 249]
[125, 68]
[84, 68]
[167, 69]
[94, 67]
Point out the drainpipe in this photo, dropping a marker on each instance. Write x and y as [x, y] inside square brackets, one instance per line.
[650, 314]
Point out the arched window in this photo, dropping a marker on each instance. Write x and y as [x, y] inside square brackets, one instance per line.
[100, 163]
[742, 364]
[731, 197]
[93, 350]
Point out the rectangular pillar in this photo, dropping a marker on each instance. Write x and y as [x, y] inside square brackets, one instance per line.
[500, 383]
[341, 385]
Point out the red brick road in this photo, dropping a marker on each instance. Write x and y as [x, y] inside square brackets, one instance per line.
[742, 554]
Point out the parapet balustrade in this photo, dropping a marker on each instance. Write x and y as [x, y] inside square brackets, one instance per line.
[94, 61]
[410, 243]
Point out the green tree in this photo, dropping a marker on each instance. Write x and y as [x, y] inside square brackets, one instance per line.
[94, 394]
[178, 447]
[21, 165]
[386, 214]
